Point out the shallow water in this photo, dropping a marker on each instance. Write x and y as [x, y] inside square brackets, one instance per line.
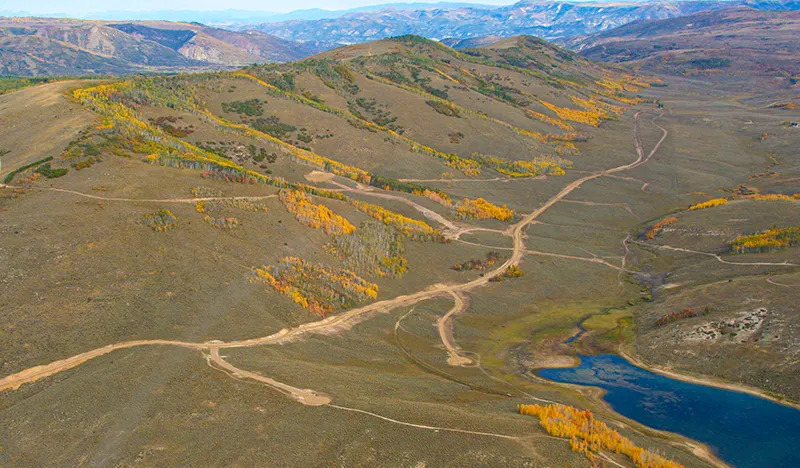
[743, 430]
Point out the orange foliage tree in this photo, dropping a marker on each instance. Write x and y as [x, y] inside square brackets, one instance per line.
[482, 209]
[653, 231]
[767, 241]
[708, 204]
[318, 288]
[589, 436]
[774, 197]
[313, 215]
[589, 117]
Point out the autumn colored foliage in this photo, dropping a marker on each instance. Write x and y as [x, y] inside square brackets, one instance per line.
[773, 197]
[161, 220]
[590, 117]
[444, 108]
[318, 288]
[482, 209]
[313, 215]
[589, 436]
[511, 272]
[547, 165]
[767, 241]
[124, 132]
[437, 196]
[602, 108]
[388, 183]
[549, 120]
[413, 228]
[653, 231]
[491, 258]
[452, 160]
[709, 204]
[374, 249]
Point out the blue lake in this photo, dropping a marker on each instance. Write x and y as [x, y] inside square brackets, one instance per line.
[744, 430]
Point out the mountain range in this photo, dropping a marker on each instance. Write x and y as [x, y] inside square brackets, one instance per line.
[735, 42]
[65, 46]
[549, 20]
[236, 16]
[46, 46]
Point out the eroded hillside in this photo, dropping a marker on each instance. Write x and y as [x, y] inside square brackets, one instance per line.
[52, 46]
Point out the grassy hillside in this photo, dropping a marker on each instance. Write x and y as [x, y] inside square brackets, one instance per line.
[418, 228]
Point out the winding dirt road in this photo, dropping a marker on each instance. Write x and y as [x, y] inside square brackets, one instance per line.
[345, 320]
[445, 327]
[304, 396]
[719, 258]
[771, 281]
[598, 260]
[13, 382]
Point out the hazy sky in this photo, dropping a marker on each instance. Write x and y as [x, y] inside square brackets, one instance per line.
[81, 7]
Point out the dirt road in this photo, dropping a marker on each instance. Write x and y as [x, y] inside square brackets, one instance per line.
[719, 259]
[445, 327]
[144, 200]
[430, 214]
[304, 396]
[345, 320]
[13, 382]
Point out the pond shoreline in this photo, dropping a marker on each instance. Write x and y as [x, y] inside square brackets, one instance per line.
[721, 425]
[707, 381]
[677, 375]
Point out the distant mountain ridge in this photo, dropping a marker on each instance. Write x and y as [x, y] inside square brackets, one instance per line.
[549, 20]
[53, 46]
[46, 46]
[736, 43]
[235, 16]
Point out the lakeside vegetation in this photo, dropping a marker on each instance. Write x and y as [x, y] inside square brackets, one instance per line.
[589, 436]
